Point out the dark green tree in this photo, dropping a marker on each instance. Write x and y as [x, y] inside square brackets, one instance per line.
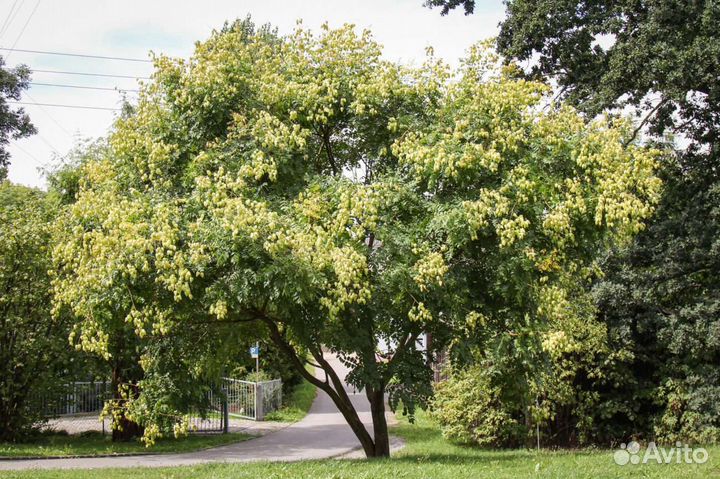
[661, 299]
[662, 57]
[33, 344]
[14, 122]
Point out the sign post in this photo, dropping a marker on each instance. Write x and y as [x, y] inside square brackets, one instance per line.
[257, 361]
[255, 353]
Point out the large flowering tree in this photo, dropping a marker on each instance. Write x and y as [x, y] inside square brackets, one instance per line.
[333, 200]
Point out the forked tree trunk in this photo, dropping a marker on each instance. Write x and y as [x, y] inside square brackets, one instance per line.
[377, 446]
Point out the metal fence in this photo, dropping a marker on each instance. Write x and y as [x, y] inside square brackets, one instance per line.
[212, 419]
[77, 408]
[251, 400]
[271, 394]
[77, 398]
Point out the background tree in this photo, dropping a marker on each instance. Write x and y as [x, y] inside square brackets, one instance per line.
[304, 189]
[659, 298]
[14, 122]
[33, 345]
[659, 57]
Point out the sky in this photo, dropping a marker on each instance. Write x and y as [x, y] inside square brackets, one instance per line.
[133, 29]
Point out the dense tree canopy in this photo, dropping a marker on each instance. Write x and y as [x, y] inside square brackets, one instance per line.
[661, 300]
[661, 55]
[304, 188]
[33, 345]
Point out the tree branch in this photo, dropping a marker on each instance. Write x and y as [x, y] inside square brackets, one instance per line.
[399, 352]
[328, 149]
[290, 352]
[645, 120]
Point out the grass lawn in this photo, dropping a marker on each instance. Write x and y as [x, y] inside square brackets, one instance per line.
[297, 406]
[426, 455]
[94, 443]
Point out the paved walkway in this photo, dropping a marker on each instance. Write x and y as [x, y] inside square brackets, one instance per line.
[323, 433]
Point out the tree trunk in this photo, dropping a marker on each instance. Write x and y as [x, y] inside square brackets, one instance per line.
[351, 417]
[127, 430]
[380, 428]
[335, 388]
[123, 429]
[341, 399]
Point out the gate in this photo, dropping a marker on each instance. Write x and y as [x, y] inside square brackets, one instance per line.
[214, 418]
[241, 398]
[251, 400]
[237, 399]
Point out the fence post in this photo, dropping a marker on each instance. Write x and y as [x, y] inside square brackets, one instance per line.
[225, 412]
[259, 402]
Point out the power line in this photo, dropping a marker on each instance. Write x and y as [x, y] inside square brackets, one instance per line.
[23, 29]
[101, 57]
[85, 87]
[42, 138]
[37, 162]
[90, 74]
[64, 106]
[47, 113]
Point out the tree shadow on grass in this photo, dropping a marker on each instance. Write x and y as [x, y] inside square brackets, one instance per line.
[426, 445]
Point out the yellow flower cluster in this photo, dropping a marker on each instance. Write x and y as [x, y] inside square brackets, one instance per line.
[420, 314]
[430, 270]
[557, 343]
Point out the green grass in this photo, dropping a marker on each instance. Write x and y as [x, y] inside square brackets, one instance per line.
[298, 403]
[426, 455]
[94, 444]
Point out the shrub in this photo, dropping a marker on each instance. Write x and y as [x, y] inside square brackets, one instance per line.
[469, 408]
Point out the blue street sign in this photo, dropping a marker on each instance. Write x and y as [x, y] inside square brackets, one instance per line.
[254, 351]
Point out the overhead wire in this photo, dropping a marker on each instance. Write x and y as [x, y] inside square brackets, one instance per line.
[47, 113]
[50, 145]
[61, 72]
[32, 157]
[81, 55]
[86, 107]
[17, 39]
[42, 105]
[83, 87]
